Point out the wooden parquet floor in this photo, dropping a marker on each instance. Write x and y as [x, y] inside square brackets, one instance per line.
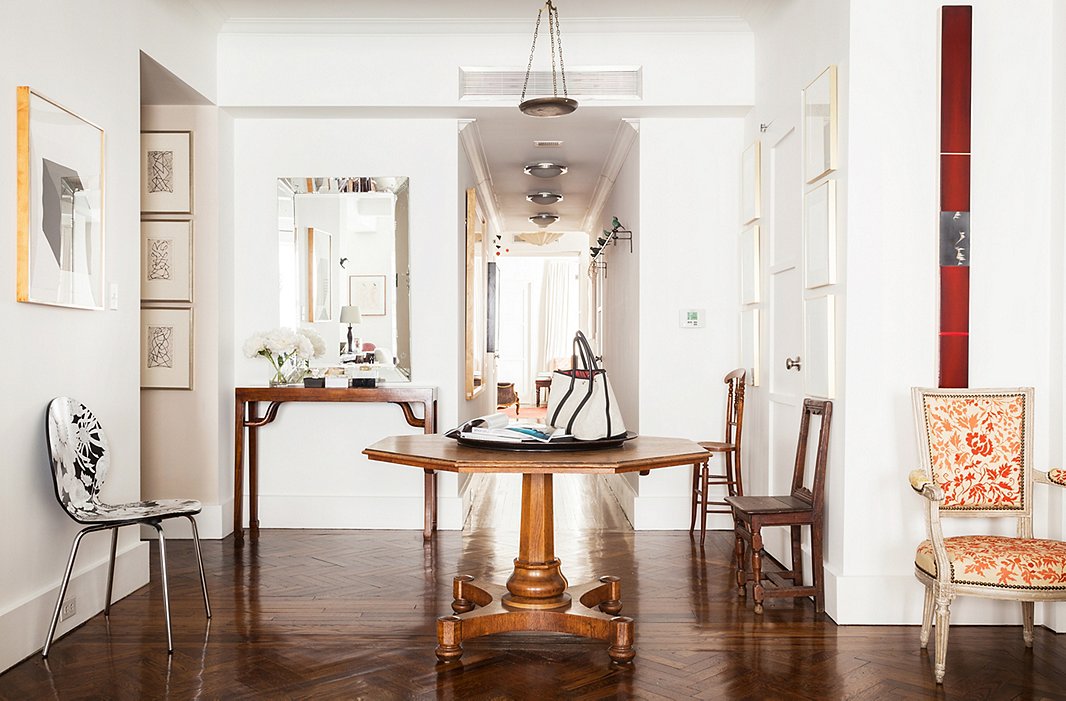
[350, 615]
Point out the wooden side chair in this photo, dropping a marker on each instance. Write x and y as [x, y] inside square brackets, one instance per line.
[80, 458]
[506, 396]
[976, 453]
[729, 448]
[802, 507]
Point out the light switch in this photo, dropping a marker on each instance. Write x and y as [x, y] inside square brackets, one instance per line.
[692, 318]
[114, 296]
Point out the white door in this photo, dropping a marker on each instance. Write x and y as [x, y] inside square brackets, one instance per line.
[785, 323]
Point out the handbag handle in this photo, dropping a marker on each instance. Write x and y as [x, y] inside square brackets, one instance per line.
[581, 346]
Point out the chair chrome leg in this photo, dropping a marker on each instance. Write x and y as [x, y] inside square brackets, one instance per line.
[111, 571]
[63, 590]
[166, 593]
[200, 564]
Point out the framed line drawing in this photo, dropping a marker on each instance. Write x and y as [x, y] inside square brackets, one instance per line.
[820, 125]
[60, 211]
[819, 346]
[819, 235]
[751, 183]
[166, 172]
[166, 348]
[166, 261]
[749, 265]
[368, 293]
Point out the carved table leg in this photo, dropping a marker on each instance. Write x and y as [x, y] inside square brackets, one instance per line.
[536, 596]
[757, 589]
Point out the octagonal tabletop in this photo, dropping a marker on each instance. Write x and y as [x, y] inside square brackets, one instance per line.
[436, 452]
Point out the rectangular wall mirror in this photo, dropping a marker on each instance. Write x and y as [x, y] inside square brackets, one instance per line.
[476, 280]
[344, 242]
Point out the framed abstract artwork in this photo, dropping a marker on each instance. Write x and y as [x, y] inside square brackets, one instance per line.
[368, 293]
[820, 125]
[749, 344]
[751, 183]
[319, 275]
[166, 348]
[60, 212]
[166, 261]
[166, 172]
[819, 234]
[819, 346]
[749, 265]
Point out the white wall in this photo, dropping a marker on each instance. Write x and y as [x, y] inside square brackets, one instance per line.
[311, 471]
[689, 207]
[93, 356]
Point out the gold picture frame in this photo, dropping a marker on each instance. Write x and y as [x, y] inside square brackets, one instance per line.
[475, 295]
[60, 211]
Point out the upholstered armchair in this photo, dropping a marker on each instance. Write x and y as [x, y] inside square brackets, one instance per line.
[976, 453]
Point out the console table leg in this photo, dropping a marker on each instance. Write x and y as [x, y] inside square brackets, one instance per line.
[238, 471]
[253, 467]
[429, 491]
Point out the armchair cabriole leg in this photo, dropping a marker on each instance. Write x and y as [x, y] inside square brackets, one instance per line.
[200, 564]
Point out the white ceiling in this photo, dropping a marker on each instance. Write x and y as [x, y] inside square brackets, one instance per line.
[507, 135]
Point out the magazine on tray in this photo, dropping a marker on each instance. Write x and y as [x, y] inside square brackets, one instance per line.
[498, 427]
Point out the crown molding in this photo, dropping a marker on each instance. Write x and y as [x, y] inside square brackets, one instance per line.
[624, 136]
[470, 136]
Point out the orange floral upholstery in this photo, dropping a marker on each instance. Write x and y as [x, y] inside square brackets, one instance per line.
[976, 449]
[1000, 561]
[1057, 475]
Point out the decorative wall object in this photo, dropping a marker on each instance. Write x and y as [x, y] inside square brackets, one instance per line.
[319, 275]
[476, 282]
[166, 348]
[492, 307]
[820, 125]
[60, 217]
[166, 172]
[749, 265]
[166, 265]
[819, 234]
[749, 344]
[751, 183]
[819, 346]
[955, 84]
[368, 293]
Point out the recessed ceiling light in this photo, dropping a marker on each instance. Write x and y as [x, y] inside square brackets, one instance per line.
[545, 169]
[544, 219]
[544, 198]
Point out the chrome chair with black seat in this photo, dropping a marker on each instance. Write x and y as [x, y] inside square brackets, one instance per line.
[80, 456]
[728, 448]
[802, 507]
[976, 453]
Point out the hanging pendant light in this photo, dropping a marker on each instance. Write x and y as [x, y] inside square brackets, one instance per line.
[554, 106]
[544, 198]
[544, 219]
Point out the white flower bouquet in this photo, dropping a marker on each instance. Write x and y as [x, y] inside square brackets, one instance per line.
[288, 350]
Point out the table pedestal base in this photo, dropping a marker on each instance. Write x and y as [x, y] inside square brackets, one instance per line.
[483, 611]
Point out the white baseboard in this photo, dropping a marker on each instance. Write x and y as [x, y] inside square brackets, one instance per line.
[24, 626]
[363, 512]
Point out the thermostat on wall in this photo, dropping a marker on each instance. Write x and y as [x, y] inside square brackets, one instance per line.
[692, 318]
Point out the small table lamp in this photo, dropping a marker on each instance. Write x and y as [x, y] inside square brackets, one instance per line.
[350, 315]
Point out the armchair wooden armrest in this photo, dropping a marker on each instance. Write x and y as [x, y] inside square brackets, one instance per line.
[921, 483]
[1055, 475]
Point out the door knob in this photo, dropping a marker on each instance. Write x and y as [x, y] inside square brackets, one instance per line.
[792, 364]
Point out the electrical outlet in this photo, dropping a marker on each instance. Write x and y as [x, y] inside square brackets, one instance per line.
[70, 607]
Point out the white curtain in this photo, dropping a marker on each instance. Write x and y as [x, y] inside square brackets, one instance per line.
[558, 315]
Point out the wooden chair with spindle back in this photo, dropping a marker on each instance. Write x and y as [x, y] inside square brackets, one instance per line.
[729, 448]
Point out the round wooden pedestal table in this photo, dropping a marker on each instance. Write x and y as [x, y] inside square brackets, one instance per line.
[537, 596]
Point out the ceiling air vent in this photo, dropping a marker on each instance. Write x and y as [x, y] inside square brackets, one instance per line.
[613, 83]
[539, 143]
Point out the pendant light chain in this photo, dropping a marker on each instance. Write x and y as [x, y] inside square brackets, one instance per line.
[529, 66]
[558, 37]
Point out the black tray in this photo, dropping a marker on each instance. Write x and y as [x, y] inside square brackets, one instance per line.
[558, 445]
